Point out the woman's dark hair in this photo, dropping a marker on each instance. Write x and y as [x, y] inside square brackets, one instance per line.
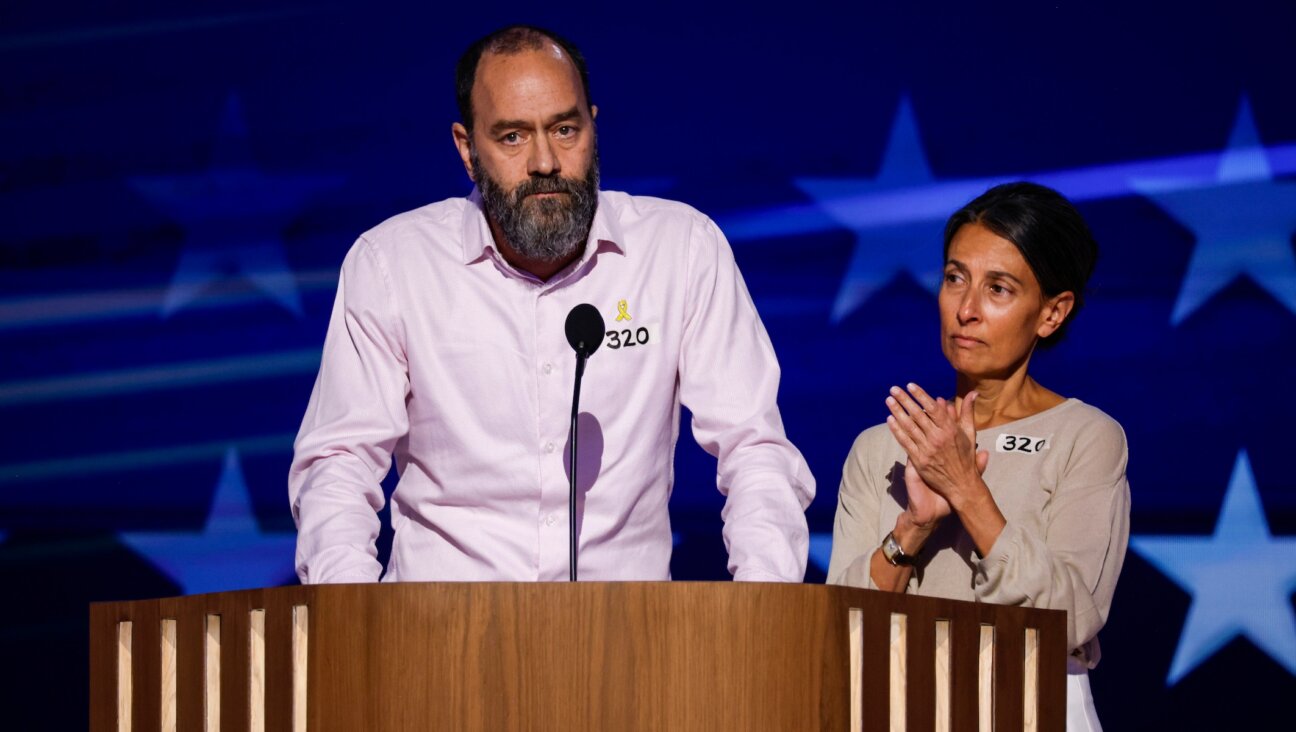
[508, 42]
[1048, 231]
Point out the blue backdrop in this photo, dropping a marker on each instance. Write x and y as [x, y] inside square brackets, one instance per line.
[178, 186]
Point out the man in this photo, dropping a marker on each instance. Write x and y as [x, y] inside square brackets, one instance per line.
[446, 348]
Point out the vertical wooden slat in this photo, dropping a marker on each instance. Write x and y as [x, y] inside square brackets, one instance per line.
[211, 673]
[125, 675]
[278, 670]
[1008, 656]
[1052, 679]
[942, 674]
[167, 646]
[898, 676]
[234, 662]
[145, 668]
[190, 639]
[1030, 682]
[965, 661]
[985, 680]
[920, 689]
[876, 653]
[855, 625]
[256, 671]
[301, 628]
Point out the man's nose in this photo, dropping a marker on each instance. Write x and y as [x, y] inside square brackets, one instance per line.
[542, 160]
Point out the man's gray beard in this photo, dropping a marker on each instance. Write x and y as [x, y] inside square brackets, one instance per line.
[542, 229]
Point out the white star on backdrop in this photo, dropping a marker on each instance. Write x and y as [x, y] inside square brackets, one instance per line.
[885, 250]
[230, 553]
[1241, 580]
[1243, 221]
[233, 215]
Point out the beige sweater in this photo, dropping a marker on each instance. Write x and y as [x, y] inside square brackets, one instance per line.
[1059, 479]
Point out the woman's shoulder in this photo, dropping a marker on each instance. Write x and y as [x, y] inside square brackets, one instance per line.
[874, 445]
[875, 437]
[1088, 421]
[1086, 438]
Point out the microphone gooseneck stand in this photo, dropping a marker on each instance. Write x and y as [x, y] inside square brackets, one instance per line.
[585, 334]
[571, 494]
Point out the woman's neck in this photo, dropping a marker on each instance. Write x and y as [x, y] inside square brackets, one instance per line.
[1003, 400]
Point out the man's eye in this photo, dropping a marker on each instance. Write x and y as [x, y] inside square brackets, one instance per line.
[566, 131]
[512, 138]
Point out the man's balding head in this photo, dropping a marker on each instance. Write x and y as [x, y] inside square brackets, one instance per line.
[514, 39]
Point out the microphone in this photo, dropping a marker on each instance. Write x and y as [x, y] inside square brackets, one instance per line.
[585, 331]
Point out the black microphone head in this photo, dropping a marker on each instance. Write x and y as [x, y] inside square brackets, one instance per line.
[585, 329]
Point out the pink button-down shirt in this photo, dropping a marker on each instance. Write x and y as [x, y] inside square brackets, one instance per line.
[441, 354]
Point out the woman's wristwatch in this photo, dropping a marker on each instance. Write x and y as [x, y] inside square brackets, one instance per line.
[894, 553]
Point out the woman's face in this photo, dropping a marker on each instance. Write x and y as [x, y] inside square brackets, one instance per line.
[991, 306]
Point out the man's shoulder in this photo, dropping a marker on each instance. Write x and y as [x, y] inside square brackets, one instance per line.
[440, 222]
[630, 208]
[670, 226]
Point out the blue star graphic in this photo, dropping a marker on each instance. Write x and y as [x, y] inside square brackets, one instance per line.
[233, 216]
[1241, 580]
[888, 245]
[821, 549]
[230, 553]
[1242, 218]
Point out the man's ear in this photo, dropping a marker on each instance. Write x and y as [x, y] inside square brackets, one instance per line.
[1055, 312]
[593, 111]
[463, 143]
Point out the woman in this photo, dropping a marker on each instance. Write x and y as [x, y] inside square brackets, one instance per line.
[1011, 493]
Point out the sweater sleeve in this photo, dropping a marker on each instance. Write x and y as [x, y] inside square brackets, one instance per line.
[1073, 563]
[859, 499]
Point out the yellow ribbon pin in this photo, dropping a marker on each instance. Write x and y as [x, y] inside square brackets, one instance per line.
[622, 313]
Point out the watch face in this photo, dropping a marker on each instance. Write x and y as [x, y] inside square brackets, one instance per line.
[894, 553]
[891, 550]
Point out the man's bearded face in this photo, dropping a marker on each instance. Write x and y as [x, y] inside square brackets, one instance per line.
[542, 228]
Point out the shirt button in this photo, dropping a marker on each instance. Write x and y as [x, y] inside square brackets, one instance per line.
[549, 520]
[549, 447]
[548, 369]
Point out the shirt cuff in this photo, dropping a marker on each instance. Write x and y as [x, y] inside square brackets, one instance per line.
[759, 575]
[352, 576]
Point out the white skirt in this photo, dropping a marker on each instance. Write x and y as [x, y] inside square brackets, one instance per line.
[1080, 714]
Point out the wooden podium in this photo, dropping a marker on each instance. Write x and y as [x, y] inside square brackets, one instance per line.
[574, 656]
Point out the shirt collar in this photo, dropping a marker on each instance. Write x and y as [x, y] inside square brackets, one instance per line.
[478, 242]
